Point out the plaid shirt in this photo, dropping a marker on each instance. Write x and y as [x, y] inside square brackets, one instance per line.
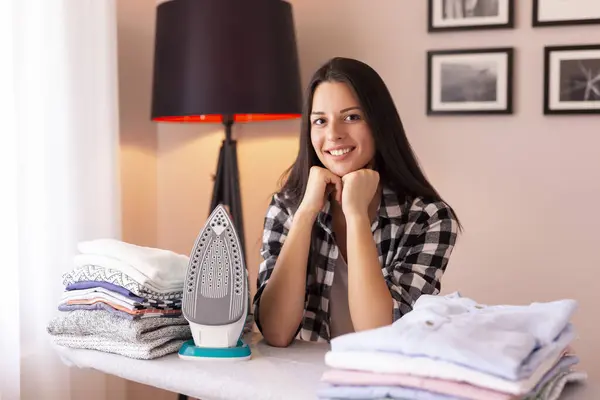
[414, 241]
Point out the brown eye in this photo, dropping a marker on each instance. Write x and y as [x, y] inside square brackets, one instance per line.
[353, 117]
[318, 121]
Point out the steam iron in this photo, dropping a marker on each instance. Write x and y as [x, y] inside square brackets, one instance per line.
[215, 293]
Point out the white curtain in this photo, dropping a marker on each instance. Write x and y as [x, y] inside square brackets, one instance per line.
[59, 178]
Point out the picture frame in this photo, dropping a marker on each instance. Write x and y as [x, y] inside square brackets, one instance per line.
[463, 15]
[565, 12]
[470, 81]
[572, 79]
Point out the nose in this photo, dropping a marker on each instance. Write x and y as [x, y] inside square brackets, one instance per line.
[334, 132]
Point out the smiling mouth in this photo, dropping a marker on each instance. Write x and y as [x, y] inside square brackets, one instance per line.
[340, 152]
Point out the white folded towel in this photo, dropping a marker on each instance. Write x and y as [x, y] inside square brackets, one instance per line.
[163, 267]
[82, 260]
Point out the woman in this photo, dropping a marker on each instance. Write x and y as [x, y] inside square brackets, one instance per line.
[357, 233]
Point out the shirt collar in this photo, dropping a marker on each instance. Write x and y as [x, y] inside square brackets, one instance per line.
[390, 206]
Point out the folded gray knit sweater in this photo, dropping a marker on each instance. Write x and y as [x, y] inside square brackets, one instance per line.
[101, 330]
[105, 324]
[140, 350]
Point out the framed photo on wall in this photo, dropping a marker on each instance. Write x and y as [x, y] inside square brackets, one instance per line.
[572, 79]
[456, 15]
[470, 81]
[565, 12]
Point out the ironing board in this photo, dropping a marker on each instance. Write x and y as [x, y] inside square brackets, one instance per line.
[273, 373]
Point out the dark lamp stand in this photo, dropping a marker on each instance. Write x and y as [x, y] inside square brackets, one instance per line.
[226, 188]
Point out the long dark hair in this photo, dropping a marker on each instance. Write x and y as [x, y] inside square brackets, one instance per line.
[394, 158]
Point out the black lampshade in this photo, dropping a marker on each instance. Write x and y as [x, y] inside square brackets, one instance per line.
[225, 57]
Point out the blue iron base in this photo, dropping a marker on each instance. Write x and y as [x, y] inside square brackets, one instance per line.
[191, 352]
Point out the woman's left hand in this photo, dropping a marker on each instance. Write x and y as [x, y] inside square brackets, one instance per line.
[359, 187]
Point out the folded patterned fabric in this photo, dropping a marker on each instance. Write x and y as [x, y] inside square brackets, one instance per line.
[109, 295]
[141, 350]
[105, 324]
[81, 260]
[502, 340]
[159, 265]
[175, 303]
[127, 309]
[98, 273]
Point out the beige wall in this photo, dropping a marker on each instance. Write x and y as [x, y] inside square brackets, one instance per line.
[524, 185]
[135, 31]
[138, 135]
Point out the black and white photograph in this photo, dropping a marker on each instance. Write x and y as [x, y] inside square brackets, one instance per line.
[572, 79]
[565, 12]
[453, 15]
[473, 81]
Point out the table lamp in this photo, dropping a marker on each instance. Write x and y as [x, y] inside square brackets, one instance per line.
[225, 61]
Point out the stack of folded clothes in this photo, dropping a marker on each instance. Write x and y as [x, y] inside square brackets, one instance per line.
[123, 298]
[145, 338]
[451, 347]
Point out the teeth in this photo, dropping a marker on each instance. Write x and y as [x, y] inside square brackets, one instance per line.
[340, 152]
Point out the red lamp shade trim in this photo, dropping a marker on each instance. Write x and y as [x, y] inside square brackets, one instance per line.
[219, 118]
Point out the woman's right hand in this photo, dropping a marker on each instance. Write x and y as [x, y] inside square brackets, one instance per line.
[321, 182]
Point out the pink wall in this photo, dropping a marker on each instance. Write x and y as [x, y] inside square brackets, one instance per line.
[525, 185]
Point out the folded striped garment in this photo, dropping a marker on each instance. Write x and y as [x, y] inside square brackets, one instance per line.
[128, 310]
[113, 297]
[98, 273]
[156, 303]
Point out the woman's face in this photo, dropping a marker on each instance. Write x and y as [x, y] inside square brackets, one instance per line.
[339, 133]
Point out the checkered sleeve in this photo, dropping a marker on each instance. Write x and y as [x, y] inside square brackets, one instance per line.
[419, 265]
[276, 227]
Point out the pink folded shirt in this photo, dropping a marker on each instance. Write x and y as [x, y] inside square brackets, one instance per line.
[459, 389]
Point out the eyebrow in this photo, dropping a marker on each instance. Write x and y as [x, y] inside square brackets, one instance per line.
[341, 111]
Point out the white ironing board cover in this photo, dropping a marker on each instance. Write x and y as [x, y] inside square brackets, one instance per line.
[292, 373]
[272, 373]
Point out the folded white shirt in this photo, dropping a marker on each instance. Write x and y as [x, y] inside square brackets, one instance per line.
[83, 260]
[498, 340]
[159, 265]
